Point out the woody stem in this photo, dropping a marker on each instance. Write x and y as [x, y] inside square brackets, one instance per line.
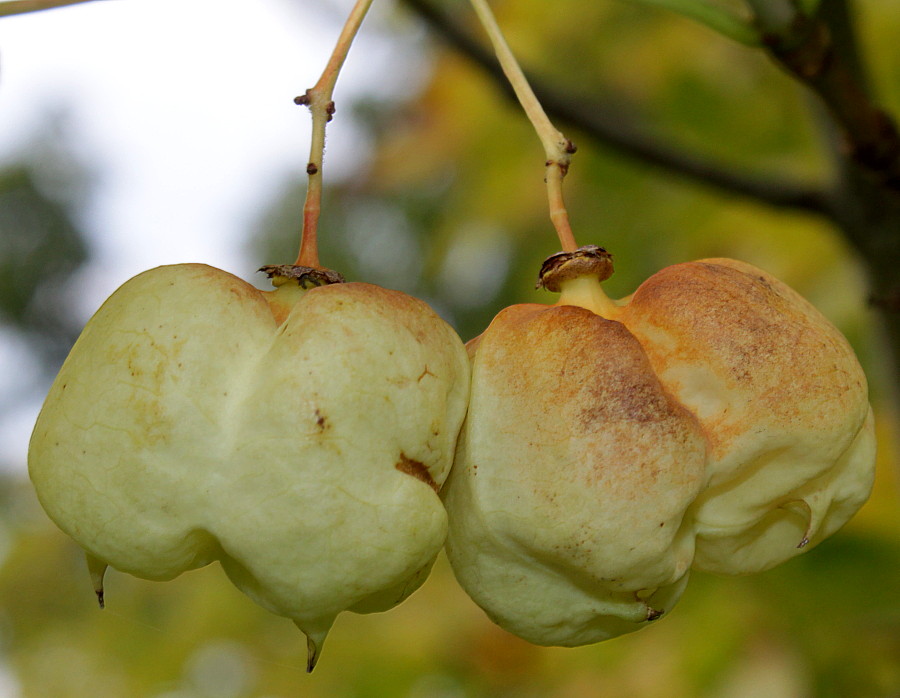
[319, 100]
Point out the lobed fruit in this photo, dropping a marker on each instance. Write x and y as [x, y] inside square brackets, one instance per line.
[297, 436]
[712, 420]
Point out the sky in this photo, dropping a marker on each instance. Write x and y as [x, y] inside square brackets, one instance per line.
[183, 110]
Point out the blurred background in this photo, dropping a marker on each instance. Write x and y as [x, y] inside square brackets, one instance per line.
[135, 133]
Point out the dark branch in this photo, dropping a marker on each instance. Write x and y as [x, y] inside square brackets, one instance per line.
[821, 53]
[614, 126]
[867, 150]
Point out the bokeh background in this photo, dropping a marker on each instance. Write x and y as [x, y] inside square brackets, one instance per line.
[142, 132]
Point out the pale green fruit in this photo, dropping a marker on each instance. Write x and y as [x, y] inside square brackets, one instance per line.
[714, 419]
[297, 436]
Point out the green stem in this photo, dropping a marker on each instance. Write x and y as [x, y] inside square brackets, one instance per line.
[319, 100]
[557, 148]
[716, 18]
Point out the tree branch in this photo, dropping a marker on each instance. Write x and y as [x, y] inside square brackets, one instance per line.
[20, 7]
[613, 125]
[866, 147]
[821, 52]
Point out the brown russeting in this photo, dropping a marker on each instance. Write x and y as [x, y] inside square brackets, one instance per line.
[417, 470]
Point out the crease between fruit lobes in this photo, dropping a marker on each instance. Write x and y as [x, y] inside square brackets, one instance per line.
[289, 434]
[714, 420]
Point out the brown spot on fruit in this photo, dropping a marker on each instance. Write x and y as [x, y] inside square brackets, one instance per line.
[417, 470]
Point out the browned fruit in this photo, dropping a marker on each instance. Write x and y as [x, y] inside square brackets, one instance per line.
[714, 419]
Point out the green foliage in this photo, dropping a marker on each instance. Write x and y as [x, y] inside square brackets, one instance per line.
[40, 249]
[716, 17]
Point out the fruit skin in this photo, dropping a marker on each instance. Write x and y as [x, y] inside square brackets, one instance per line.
[715, 419]
[569, 436]
[781, 398]
[298, 437]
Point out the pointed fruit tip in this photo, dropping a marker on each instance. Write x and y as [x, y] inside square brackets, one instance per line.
[805, 510]
[314, 641]
[97, 569]
[312, 654]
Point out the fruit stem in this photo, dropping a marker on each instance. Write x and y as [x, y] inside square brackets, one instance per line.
[557, 148]
[586, 292]
[577, 276]
[319, 100]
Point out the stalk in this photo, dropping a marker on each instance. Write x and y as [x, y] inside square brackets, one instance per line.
[319, 100]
